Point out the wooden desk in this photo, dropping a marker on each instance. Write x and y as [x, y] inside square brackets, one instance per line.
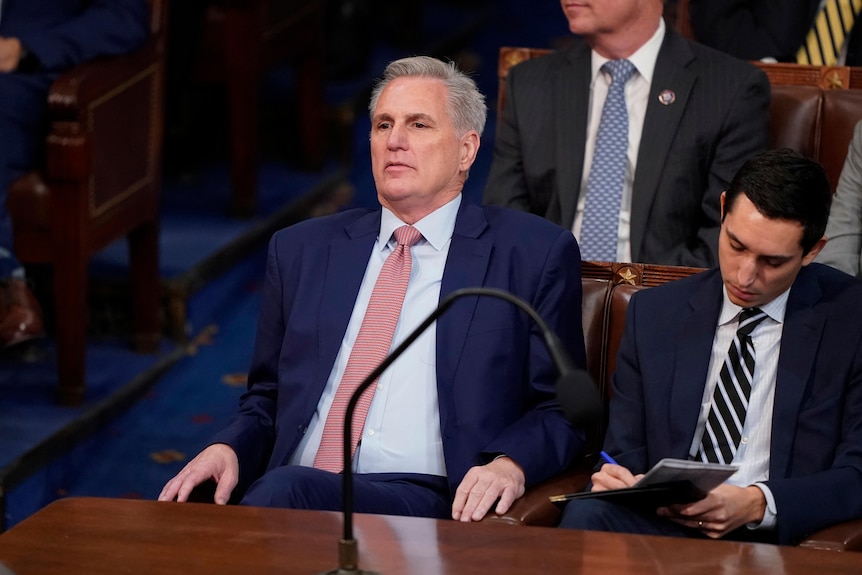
[110, 536]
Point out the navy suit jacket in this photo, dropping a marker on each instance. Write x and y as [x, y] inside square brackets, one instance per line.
[495, 381]
[815, 468]
[64, 33]
[689, 151]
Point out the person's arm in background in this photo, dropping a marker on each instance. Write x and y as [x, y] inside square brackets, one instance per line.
[752, 29]
[104, 28]
[844, 230]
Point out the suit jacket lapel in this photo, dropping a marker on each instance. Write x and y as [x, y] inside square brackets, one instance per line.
[347, 259]
[803, 326]
[466, 265]
[572, 91]
[694, 338]
[661, 122]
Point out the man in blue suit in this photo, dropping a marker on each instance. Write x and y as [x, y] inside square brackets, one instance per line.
[799, 453]
[38, 40]
[467, 418]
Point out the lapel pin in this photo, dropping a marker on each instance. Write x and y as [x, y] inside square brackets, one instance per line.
[667, 97]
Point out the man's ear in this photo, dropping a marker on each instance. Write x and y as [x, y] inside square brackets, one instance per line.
[812, 253]
[721, 206]
[469, 149]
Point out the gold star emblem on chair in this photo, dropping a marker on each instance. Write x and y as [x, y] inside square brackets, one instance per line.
[627, 276]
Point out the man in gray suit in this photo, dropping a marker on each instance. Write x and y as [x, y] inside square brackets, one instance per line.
[694, 116]
[844, 230]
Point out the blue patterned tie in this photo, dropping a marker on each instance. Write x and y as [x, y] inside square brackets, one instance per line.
[598, 239]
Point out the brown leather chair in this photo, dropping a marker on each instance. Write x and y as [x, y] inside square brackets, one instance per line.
[241, 40]
[607, 288]
[100, 182]
[816, 122]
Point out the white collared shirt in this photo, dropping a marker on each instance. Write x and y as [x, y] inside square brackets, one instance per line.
[752, 455]
[402, 430]
[637, 96]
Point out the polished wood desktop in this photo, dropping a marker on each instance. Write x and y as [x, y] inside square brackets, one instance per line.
[110, 536]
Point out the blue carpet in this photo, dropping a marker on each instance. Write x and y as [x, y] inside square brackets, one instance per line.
[133, 444]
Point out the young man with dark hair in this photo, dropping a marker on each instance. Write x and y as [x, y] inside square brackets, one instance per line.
[756, 363]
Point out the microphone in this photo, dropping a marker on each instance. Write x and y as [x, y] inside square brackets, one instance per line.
[579, 399]
[583, 406]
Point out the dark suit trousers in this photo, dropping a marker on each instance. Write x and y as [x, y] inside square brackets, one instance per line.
[598, 515]
[23, 106]
[297, 487]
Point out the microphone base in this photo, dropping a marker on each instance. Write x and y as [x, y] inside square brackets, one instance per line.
[348, 560]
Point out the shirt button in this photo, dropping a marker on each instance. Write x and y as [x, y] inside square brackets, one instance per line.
[380, 386]
[744, 440]
[370, 432]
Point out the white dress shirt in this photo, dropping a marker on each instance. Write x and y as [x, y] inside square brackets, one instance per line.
[402, 430]
[752, 455]
[637, 96]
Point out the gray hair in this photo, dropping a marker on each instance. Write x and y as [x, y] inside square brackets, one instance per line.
[467, 108]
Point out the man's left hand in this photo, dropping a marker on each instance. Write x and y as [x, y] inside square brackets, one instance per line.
[10, 54]
[501, 479]
[725, 508]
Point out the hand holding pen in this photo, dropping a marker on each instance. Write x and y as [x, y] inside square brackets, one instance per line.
[608, 458]
[616, 477]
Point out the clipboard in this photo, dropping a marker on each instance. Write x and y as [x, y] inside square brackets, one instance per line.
[670, 481]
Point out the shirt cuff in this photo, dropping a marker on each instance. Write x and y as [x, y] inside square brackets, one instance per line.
[770, 514]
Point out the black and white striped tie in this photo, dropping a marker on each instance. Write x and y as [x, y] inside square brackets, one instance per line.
[730, 400]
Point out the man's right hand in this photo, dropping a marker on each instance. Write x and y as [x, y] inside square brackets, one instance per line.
[612, 476]
[10, 54]
[217, 462]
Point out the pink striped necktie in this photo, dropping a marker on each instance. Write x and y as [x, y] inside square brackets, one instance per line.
[369, 350]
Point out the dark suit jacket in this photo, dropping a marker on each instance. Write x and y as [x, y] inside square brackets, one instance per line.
[815, 468]
[495, 381]
[756, 29]
[64, 33]
[689, 150]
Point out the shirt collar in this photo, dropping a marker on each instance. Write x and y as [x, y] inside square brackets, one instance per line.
[644, 58]
[774, 309]
[436, 228]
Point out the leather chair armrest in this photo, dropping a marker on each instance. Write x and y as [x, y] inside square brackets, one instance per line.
[75, 90]
[535, 508]
[841, 537]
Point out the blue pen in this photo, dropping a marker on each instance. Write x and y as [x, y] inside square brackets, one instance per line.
[608, 458]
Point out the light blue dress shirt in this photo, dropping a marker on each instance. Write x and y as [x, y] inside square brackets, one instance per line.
[402, 430]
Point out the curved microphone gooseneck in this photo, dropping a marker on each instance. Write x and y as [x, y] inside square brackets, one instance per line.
[584, 411]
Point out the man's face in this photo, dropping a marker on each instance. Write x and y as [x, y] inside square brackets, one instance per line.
[590, 18]
[418, 161]
[760, 257]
